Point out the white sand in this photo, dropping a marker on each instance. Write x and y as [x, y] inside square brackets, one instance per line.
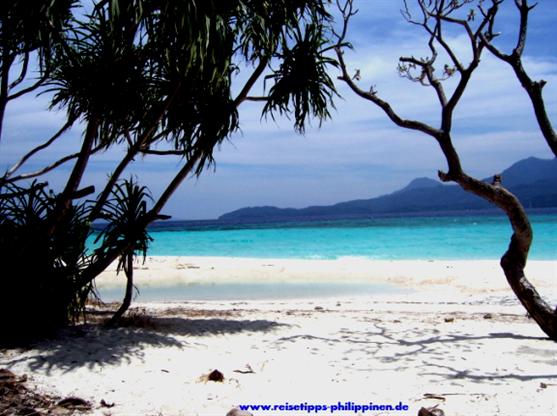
[385, 349]
[460, 275]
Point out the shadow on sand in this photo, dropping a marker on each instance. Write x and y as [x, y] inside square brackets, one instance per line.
[456, 356]
[95, 346]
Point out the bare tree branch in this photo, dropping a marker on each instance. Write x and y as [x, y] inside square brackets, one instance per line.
[7, 61]
[22, 73]
[50, 167]
[252, 98]
[534, 89]
[29, 89]
[347, 11]
[386, 107]
[427, 71]
[251, 81]
[439, 38]
[32, 188]
[371, 95]
[523, 26]
[174, 184]
[514, 259]
[163, 152]
[56, 136]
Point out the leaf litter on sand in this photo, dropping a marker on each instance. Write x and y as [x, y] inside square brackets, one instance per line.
[16, 398]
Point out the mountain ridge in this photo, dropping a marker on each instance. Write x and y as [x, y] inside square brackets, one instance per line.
[532, 180]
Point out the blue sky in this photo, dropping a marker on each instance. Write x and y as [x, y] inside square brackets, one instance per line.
[357, 154]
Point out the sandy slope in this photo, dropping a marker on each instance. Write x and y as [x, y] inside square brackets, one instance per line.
[384, 349]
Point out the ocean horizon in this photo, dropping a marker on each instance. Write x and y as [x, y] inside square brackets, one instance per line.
[448, 237]
[462, 237]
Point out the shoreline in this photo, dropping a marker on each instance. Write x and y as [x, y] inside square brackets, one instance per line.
[460, 277]
[459, 340]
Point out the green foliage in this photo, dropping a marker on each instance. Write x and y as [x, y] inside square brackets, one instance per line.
[40, 283]
[302, 84]
[40, 271]
[99, 74]
[125, 215]
[149, 75]
[163, 72]
[30, 25]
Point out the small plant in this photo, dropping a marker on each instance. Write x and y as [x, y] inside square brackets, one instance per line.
[40, 269]
[125, 213]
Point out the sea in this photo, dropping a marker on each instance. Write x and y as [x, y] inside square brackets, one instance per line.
[387, 238]
[424, 237]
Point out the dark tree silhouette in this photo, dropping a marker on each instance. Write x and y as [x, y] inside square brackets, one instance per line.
[156, 78]
[122, 212]
[434, 16]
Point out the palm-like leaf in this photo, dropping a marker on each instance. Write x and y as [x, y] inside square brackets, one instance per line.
[29, 25]
[125, 212]
[302, 84]
[150, 73]
[100, 73]
[41, 269]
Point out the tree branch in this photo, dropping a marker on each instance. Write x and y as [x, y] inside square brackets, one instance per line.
[253, 98]
[534, 89]
[64, 199]
[371, 96]
[439, 38]
[7, 61]
[427, 72]
[29, 89]
[163, 152]
[251, 81]
[33, 188]
[347, 11]
[514, 259]
[459, 22]
[49, 167]
[174, 184]
[17, 165]
[22, 73]
[101, 200]
[524, 9]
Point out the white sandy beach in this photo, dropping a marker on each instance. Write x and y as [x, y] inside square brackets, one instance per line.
[456, 337]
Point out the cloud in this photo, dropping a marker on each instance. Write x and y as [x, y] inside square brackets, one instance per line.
[357, 154]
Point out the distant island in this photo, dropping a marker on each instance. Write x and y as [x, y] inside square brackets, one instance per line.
[532, 180]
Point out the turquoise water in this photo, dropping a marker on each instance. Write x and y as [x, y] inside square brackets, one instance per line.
[443, 238]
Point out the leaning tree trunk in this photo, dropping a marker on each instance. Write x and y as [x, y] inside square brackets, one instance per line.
[128, 269]
[514, 260]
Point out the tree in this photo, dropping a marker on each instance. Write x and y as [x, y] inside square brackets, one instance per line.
[122, 212]
[156, 78]
[38, 282]
[28, 29]
[534, 89]
[434, 16]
